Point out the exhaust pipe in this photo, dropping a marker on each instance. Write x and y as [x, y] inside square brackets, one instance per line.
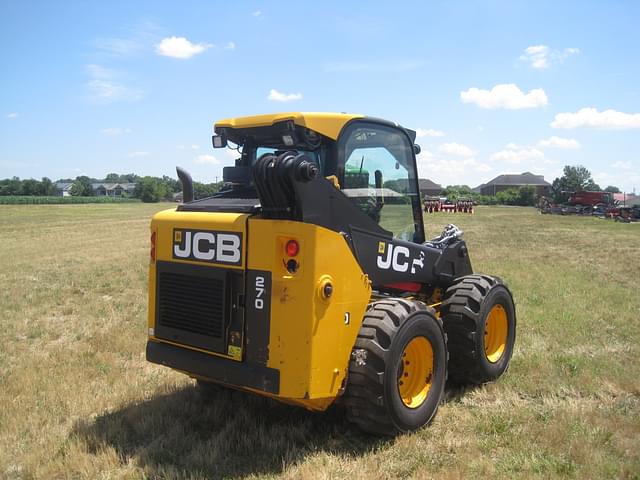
[187, 184]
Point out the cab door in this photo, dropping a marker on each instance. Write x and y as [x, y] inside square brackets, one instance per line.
[377, 171]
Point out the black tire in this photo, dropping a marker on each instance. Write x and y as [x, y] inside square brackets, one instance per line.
[372, 397]
[465, 310]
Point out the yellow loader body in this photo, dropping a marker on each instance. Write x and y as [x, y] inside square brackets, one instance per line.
[300, 326]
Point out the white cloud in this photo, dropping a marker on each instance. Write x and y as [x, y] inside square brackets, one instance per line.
[230, 46]
[115, 131]
[117, 46]
[541, 56]
[108, 91]
[536, 55]
[622, 165]
[557, 142]
[180, 47]
[507, 96]
[591, 117]
[625, 181]
[483, 167]
[257, 13]
[428, 132]
[206, 160]
[450, 171]
[98, 71]
[456, 150]
[138, 154]
[277, 96]
[105, 87]
[12, 115]
[136, 39]
[513, 153]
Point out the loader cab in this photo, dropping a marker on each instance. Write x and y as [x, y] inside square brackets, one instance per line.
[372, 161]
[376, 167]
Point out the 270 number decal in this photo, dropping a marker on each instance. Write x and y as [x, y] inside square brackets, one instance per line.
[260, 289]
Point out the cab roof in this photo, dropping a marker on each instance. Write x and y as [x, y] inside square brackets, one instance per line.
[327, 124]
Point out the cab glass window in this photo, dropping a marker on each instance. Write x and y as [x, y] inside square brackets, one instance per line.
[379, 176]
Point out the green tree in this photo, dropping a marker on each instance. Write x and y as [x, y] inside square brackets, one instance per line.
[47, 187]
[527, 196]
[151, 190]
[112, 178]
[172, 184]
[30, 187]
[612, 189]
[574, 179]
[486, 200]
[12, 186]
[453, 192]
[129, 178]
[399, 185]
[204, 190]
[82, 187]
[510, 196]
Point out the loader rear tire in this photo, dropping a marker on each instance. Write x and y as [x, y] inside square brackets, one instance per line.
[480, 320]
[398, 368]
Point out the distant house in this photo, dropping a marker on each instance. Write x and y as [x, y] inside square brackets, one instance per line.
[504, 182]
[63, 189]
[113, 189]
[428, 187]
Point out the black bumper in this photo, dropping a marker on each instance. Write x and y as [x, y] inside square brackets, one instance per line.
[214, 368]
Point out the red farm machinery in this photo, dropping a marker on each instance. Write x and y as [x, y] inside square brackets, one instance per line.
[599, 204]
[437, 204]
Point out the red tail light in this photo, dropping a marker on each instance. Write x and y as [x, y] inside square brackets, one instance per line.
[292, 248]
[153, 246]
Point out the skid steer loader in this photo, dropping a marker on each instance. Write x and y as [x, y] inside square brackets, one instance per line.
[308, 277]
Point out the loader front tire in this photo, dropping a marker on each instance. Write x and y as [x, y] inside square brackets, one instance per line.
[398, 368]
[480, 320]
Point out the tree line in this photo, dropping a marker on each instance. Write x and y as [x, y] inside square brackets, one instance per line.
[575, 178]
[148, 188]
[155, 189]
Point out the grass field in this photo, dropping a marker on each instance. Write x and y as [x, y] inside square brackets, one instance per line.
[79, 401]
[56, 200]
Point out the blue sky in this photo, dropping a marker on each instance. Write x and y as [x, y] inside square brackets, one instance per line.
[492, 87]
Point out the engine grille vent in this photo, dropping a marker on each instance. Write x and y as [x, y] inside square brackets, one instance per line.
[192, 305]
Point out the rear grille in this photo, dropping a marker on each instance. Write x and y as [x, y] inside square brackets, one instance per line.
[192, 305]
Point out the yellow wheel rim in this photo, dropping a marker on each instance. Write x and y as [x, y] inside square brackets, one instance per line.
[496, 330]
[415, 372]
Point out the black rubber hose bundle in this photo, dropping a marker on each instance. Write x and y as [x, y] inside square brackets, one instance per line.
[274, 177]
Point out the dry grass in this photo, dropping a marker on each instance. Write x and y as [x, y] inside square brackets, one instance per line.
[79, 401]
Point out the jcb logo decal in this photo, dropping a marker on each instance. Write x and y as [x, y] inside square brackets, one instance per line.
[398, 258]
[208, 246]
